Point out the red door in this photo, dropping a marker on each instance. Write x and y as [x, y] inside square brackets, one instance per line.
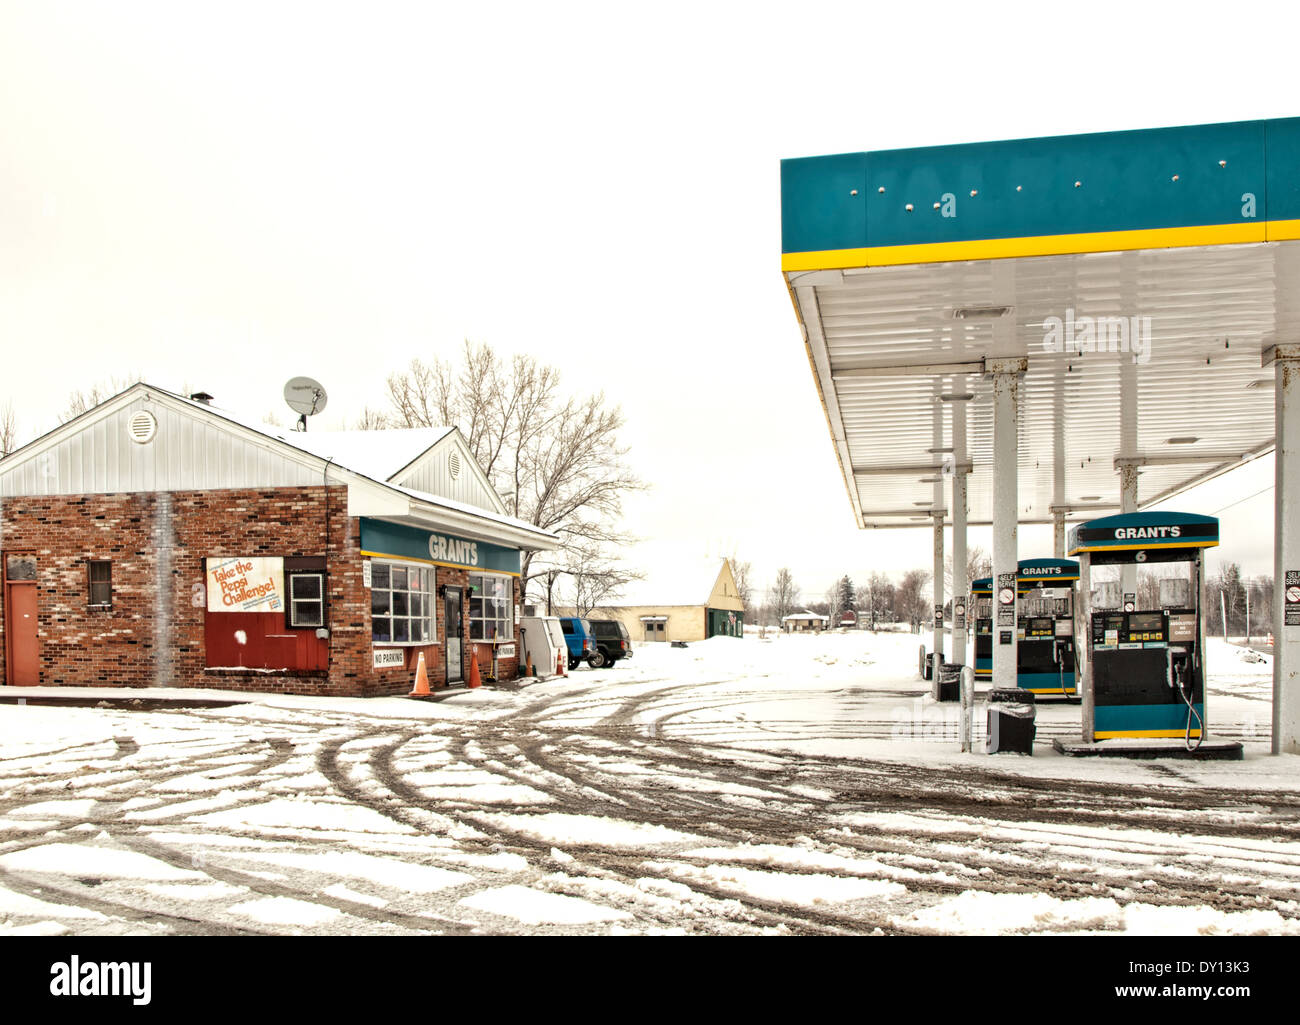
[20, 635]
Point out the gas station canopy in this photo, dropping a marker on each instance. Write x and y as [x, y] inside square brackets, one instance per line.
[1142, 277]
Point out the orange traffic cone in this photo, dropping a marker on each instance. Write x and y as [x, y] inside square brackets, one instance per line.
[421, 679]
[474, 679]
[528, 665]
[559, 665]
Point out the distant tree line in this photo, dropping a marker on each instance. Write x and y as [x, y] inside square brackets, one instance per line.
[880, 599]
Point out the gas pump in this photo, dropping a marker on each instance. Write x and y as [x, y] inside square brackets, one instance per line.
[981, 600]
[1144, 668]
[1045, 653]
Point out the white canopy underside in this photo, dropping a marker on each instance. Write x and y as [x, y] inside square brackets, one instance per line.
[885, 345]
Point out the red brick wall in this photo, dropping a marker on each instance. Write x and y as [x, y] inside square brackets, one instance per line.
[153, 634]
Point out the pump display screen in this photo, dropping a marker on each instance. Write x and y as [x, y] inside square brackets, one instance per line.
[1044, 627]
[1146, 622]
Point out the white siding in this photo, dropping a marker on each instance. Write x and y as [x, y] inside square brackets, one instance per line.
[430, 473]
[186, 454]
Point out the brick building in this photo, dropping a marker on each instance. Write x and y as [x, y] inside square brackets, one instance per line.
[157, 540]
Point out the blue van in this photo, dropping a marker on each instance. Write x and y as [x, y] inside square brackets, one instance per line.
[580, 639]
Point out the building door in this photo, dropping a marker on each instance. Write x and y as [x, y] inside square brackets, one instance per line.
[455, 634]
[22, 649]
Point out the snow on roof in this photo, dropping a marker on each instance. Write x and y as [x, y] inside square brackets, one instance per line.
[374, 454]
[804, 615]
[378, 455]
[465, 507]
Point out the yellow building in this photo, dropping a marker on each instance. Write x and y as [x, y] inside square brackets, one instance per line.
[691, 606]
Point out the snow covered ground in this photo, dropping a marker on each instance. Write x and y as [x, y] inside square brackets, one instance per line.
[799, 784]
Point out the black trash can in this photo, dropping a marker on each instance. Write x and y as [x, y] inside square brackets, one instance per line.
[1011, 721]
[948, 686]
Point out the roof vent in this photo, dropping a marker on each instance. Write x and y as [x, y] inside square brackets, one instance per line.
[142, 427]
[453, 465]
[202, 396]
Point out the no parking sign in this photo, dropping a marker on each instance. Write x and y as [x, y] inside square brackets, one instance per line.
[1291, 610]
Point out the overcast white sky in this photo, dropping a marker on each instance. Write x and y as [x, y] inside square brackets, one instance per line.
[222, 196]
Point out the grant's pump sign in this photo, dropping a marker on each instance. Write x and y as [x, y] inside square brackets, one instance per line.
[246, 585]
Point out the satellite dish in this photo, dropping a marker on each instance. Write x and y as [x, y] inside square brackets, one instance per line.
[306, 397]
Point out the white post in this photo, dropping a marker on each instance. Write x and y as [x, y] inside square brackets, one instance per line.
[1083, 644]
[1006, 374]
[937, 510]
[960, 581]
[1286, 566]
[938, 593]
[967, 709]
[1128, 438]
[1058, 535]
[1128, 503]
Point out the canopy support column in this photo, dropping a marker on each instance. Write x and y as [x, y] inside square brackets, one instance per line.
[1058, 534]
[938, 589]
[960, 580]
[1006, 375]
[1286, 568]
[1128, 472]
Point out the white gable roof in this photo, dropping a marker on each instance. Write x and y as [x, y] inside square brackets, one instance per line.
[204, 447]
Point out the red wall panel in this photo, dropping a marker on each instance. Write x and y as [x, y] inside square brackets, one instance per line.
[260, 640]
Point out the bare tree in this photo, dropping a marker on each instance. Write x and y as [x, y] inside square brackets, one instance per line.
[876, 599]
[371, 420]
[1148, 589]
[554, 460]
[1261, 605]
[1226, 589]
[80, 401]
[8, 429]
[783, 595]
[741, 572]
[834, 600]
[979, 564]
[597, 576]
[911, 599]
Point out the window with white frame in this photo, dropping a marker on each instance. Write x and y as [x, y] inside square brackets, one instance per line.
[401, 603]
[491, 607]
[306, 599]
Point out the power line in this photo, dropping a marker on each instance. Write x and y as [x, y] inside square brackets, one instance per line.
[1240, 500]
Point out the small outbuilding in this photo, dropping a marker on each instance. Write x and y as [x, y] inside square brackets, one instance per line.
[693, 604]
[804, 622]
